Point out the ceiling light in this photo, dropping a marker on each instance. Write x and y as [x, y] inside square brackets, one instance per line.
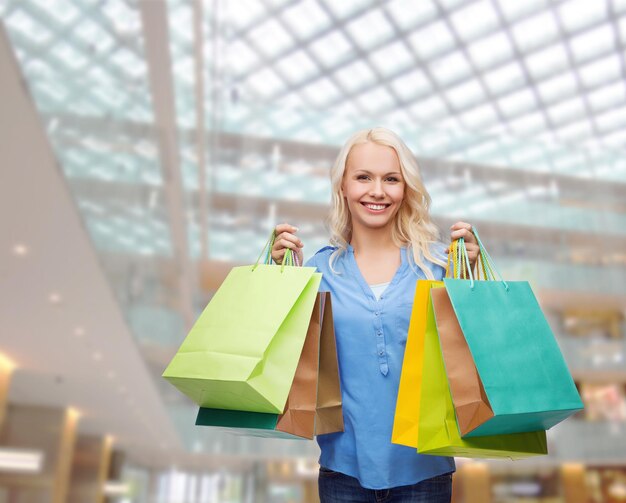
[20, 250]
[111, 374]
[97, 356]
[115, 488]
[20, 460]
[74, 413]
[55, 298]
[6, 363]
[79, 331]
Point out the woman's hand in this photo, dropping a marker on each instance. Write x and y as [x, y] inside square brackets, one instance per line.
[464, 230]
[286, 238]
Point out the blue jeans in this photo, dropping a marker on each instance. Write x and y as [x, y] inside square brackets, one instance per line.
[335, 487]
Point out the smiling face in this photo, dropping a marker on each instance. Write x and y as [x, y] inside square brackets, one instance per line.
[373, 186]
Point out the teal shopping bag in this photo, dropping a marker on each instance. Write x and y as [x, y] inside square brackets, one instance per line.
[526, 381]
[242, 352]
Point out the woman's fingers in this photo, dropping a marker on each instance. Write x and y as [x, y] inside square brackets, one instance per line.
[286, 238]
[462, 230]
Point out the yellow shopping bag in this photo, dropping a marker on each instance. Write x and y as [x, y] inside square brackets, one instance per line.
[406, 419]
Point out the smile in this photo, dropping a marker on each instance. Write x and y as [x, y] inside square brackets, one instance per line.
[376, 207]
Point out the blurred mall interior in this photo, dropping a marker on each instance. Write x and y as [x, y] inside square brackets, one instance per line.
[147, 146]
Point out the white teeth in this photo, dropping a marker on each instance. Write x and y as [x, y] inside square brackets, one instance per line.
[376, 206]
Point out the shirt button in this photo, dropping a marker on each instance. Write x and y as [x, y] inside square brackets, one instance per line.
[376, 313]
[379, 333]
[381, 352]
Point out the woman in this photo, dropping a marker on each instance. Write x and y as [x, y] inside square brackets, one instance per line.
[383, 242]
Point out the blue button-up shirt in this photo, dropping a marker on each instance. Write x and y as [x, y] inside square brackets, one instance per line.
[371, 336]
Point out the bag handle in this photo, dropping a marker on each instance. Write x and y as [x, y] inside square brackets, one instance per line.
[458, 258]
[487, 264]
[290, 258]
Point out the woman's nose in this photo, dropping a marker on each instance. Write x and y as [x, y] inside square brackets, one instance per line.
[377, 190]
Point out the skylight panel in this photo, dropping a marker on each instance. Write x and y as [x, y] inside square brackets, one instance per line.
[608, 96]
[345, 9]
[450, 68]
[270, 38]
[370, 28]
[526, 155]
[491, 50]
[70, 56]
[411, 85]
[306, 18]
[548, 61]
[321, 92]
[241, 58]
[577, 14]
[37, 69]
[429, 109]
[536, 31]
[575, 132]
[432, 40]
[481, 116]
[566, 111]
[92, 34]
[483, 151]
[515, 10]
[592, 43]
[400, 119]
[612, 119]
[505, 78]
[335, 127]
[266, 83]
[435, 140]
[332, 48]
[297, 67]
[450, 4]
[529, 123]
[123, 18]
[392, 58]
[616, 139]
[243, 13]
[465, 94]
[63, 11]
[407, 13]
[31, 29]
[376, 100]
[476, 19]
[602, 71]
[355, 76]
[558, 87]
[517, 102]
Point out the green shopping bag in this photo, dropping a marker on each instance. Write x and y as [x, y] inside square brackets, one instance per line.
[243, 350]
[526, 381]
[314, 402]
[438, 432]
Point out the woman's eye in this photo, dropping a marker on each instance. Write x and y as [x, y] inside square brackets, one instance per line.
[393, 179]
[362, 177]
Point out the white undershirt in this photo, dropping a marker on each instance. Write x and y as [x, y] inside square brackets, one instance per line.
[379, 289]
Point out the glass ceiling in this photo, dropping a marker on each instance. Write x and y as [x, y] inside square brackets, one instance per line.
[536, 88]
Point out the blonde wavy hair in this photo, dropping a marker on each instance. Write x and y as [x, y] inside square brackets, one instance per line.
[412, 227]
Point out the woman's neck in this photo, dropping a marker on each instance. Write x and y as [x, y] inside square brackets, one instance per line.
[372, 242]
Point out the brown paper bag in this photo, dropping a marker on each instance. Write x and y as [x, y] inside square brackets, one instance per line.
[468, 393]
[314, 403]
